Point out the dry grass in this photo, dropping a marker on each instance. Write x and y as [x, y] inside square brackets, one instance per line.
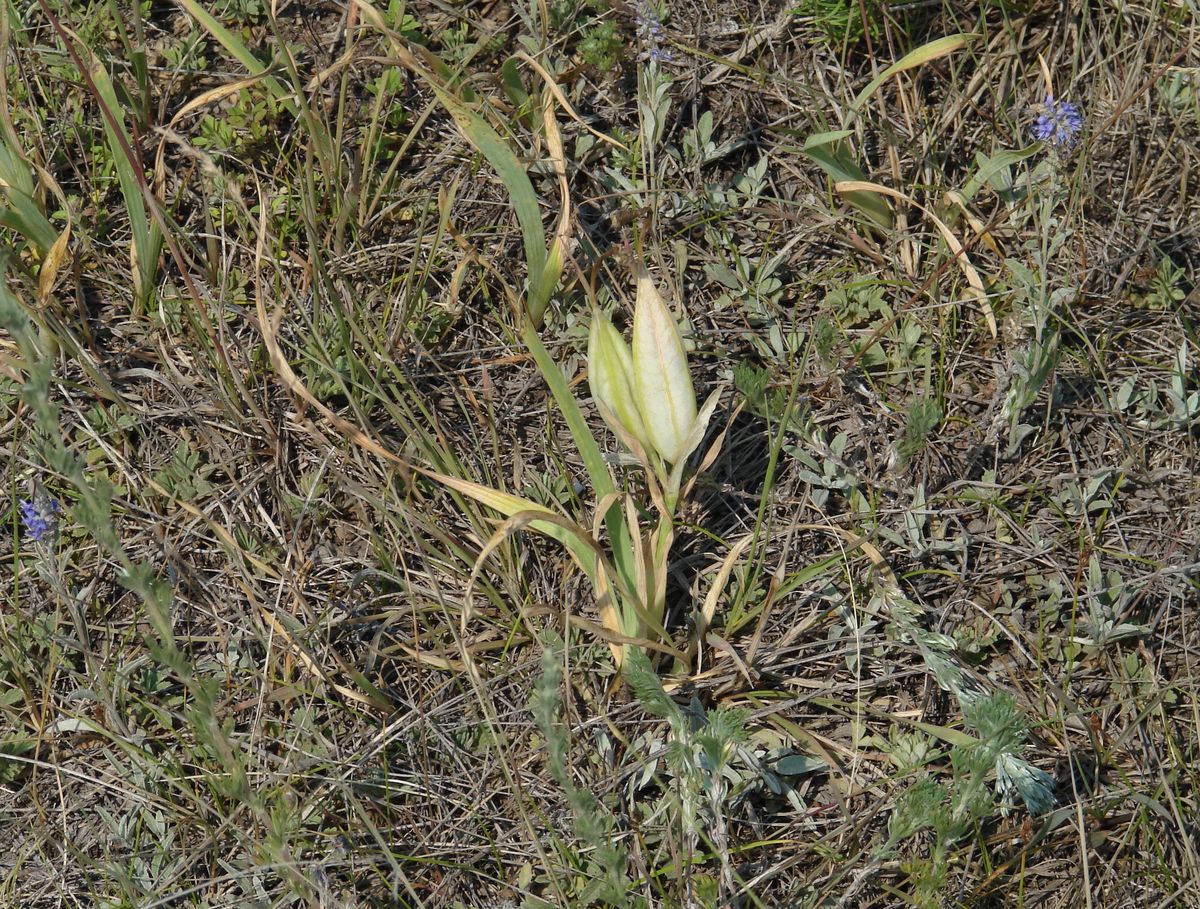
[308, 734]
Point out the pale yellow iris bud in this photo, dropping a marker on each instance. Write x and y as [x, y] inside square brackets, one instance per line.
[662, 384]
[610, 374]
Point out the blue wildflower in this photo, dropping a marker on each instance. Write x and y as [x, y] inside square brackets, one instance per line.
[40, 517]
[650, 34]
[1058, 123]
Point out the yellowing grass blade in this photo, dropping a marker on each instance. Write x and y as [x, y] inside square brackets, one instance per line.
[660, 548]
[642, 578]
[702, 618]
[919, 57]
[980, 229]
[52, 263]
[238, 49]
[540, 518]
[709, 610]
[213, 96]
[543, 521]
[610, 614]
[536, 518]
[543, 284]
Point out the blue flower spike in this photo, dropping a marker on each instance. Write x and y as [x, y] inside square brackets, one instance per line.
[39, 516]
[650, 34]
[1058, 123]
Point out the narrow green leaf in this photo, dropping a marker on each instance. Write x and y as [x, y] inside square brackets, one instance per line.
[26, 218]
[990, 167]
[146, 237]
[543, 271]
[593, 460]
[238, 49]
[514, 87]
[827, 138]
[24, 215]
[543, 284]
[14, 170]
[806, 574]
[919, 57]
[833, 158]
[512, 174]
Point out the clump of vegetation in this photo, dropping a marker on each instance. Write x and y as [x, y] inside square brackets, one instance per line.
[843, 23]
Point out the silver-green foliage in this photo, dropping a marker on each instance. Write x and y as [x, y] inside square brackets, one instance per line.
[954, 809]
[698, 764]
[991, 715]
[212, 745]
[1142, 401]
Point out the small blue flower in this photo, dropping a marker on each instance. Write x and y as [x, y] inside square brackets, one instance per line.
[1058, 123]
[650, 34]
[40, 517]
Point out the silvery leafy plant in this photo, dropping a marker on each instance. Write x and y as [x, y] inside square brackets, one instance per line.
[989, 713]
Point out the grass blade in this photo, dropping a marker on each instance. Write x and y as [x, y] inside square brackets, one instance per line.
[238, 49]
[24, 215]
[511, 172]
[832, 157]
[146, 240]
[593, 460]
[926, 53]
[553, 526]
